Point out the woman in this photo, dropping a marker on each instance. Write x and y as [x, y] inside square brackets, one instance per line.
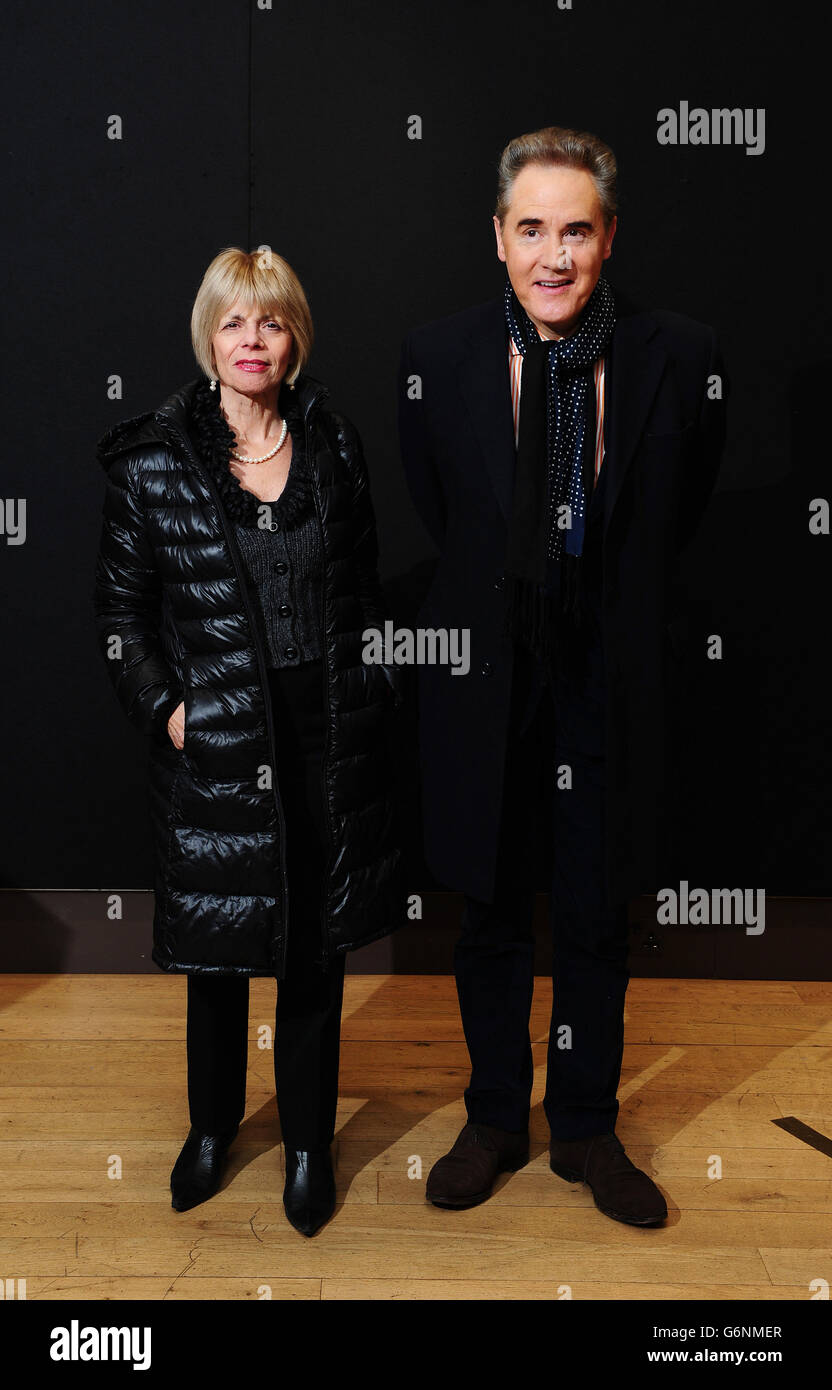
[236, 574]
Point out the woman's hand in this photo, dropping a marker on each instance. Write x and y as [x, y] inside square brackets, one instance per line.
[176, 726]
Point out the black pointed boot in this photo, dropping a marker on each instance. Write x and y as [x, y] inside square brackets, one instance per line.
[197, 1172]
[309, 1191]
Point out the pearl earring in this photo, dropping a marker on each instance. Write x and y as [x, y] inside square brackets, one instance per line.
[213, 383]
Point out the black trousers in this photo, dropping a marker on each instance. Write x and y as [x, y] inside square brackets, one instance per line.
[557, 722]
[307, 1031]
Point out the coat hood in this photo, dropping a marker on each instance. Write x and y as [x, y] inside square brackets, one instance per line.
[149, 428]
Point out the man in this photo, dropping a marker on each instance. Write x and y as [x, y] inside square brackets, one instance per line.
[560, 445]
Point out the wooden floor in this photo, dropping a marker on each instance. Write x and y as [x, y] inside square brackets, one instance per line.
[92, 1075]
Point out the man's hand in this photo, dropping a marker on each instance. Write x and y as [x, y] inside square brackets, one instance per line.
[176, 726]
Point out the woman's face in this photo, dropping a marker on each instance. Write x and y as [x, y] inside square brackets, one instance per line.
[252, 350]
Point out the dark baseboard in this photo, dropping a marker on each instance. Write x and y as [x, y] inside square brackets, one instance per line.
[70, 932]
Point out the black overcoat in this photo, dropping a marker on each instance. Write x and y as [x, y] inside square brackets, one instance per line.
[664, 431]
[174, 622]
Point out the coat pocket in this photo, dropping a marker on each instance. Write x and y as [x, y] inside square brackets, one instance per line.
[188, 697]
[674, 436]
[677, 637]
[395, 679]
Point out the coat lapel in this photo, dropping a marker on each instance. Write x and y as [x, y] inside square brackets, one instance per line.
[485, 386]
[635, 364]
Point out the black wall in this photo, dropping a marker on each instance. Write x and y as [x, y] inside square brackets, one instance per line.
[289, 126]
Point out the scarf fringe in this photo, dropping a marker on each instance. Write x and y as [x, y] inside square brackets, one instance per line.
[527, 615]
[543, 627]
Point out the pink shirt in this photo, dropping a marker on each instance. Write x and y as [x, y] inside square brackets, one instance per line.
[515, 370]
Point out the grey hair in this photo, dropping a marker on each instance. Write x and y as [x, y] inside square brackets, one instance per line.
[576, 149]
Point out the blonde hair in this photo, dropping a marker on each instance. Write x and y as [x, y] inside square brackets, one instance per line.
[263, 281]
[554, 144]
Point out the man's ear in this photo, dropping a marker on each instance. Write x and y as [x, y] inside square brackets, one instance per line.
[498, 232]
[613, 228]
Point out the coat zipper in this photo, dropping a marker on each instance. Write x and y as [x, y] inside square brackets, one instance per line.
[264, 681]
[325, 665]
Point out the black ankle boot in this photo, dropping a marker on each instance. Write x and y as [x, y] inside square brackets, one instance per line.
[197, 1172]
[309, 1192]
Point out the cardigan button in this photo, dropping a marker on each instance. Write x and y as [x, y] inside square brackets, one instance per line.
[284, 610]
[500, 582]
[290, 653]
[281, 568]
[486, 669]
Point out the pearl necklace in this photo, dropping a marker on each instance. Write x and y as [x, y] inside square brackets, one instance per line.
[279, 445]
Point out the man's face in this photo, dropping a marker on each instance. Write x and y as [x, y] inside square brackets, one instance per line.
[554, 243]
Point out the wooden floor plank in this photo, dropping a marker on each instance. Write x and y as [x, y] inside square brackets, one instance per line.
[171, 1290]
[372, 1250]
[547, 1291]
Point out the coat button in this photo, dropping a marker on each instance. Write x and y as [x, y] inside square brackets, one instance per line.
[284, 610]
[487, 669]
[281, 568]
[290, 653]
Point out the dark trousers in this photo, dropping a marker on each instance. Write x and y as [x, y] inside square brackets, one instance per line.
[307, 1029]
[557, 721]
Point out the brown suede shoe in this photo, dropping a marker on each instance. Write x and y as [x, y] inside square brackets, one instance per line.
[619, 1188]
[465, 1176]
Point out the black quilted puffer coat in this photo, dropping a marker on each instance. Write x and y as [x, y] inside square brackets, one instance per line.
[174, 622]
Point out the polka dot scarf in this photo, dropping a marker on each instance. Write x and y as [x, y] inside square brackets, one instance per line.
[555, 457]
